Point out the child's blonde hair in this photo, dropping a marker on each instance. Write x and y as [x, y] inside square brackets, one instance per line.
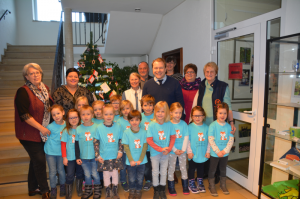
[86, 107]
[198, 108]
[81, 98]
[147, 99]
[220, 106]
[107, 106]
[98, 102]
[68, 125]
[125, 103]
[175, 106]
[158, 106]
[56, 106]
[115, 98]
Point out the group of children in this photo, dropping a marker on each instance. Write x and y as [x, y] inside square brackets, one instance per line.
[102, 139]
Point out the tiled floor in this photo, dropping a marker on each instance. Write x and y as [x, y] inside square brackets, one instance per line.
[235, 190]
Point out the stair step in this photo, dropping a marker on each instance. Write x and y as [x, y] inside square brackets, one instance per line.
[13, 167]
[8, 92]
[14, 48]
[26, 61]
[7, 114]
[17, 75]
[12, 150]
[19, 83]
[13, 189]
[6, 101]
[19, 67]
[8, 139]
[29, 55]
[7, 128]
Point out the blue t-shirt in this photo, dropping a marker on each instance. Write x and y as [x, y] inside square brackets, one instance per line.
[161, 134]
[69, 138]
[85, 136]
[135, 141]
[116, 117]
[53, 145]
[124, 124]
[96, 121]
[109, 140]
[146, 119]
[198, 136]
[181, 130]
[221, 135]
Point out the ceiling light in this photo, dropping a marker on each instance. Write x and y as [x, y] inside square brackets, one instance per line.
[137, 9]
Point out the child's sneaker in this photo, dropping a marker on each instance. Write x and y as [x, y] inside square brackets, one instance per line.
[200, 185]
[192, 186]
[62, 190]
[125, 186]
[53, 193]
[147, 185]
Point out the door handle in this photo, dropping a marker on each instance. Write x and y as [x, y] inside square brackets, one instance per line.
[253, 113]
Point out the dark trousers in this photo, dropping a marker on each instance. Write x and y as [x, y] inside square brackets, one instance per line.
[136, 176]
[214, 164]
[193, 166]
[37, 177]
[72, 166]
[148, 168]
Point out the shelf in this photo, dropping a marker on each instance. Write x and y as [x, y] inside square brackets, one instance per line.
[295, 105]
[286, 171]
[286, 73]
[285, 137]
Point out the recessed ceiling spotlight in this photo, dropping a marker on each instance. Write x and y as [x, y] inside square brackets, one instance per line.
[137, 9]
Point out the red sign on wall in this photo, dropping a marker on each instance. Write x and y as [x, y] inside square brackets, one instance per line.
[235, 71]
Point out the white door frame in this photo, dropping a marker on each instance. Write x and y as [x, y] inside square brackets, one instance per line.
[262, 22]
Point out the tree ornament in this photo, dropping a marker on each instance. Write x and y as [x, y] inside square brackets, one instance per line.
[83, 65]
[95, 73]
[100, 59]
[78, 64]
[93, 62]
[109, 70]
[91, 79]
[84, 57]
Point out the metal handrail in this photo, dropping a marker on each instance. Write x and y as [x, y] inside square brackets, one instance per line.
[59, 59]
[5, 13]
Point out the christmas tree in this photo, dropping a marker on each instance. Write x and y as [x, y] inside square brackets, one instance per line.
[101, 78]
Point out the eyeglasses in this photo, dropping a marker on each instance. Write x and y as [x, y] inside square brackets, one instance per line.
[36, 73]
[115, 103]
[73, 118]
[197, 116]
[190, 72]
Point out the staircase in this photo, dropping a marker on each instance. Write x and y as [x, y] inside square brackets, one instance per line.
[14, 160]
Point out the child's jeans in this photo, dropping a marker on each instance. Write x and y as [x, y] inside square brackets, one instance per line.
[193, 166]
[123, 174]
[90, 170]
[136, 176]
[172, 165]
[159, 166]
[214, 164]
[55, 164]
[148, 168]
[71, 169]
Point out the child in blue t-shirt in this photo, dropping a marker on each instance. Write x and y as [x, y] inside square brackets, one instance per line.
[115, 101]
[109, 151]
[68, 153]
[198, 149]
[97, 106]
[147, 103]
[178, 150]
[53, 150]
[85, 154]
[125, 107]
[221, 141]
[135, 145]
[161, 138]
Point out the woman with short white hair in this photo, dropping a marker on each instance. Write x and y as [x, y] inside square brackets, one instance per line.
[134, 94]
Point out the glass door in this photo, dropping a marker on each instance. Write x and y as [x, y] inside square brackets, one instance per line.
[239, 53]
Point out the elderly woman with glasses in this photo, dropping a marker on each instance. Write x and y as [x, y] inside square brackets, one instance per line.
[32, 103]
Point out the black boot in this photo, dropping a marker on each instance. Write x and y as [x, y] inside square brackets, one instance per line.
[185, 186]
[138, 194]
[78, 183]
[88, 192]
[162, 192]
[69, 190]
[108, 194]
[171, 188]
[97, 191]
[114, 191]
[131, 194]
[156, 192]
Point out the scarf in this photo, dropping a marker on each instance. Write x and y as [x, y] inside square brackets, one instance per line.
[190, 86]
[43, 95]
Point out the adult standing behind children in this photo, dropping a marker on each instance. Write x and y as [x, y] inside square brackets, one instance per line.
[170, 65]
[163, 87]
[32, 103]
[143, 70]
[66, 95]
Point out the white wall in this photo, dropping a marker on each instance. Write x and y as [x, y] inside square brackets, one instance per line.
[7, 25]
[187, 26]
[290, 21]
[31, 32]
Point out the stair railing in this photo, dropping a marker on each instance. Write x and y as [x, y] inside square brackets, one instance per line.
[58, 74]
[5, 13]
